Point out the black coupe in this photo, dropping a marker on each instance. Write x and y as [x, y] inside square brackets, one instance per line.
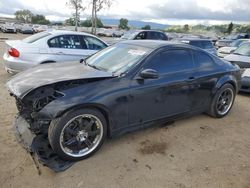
[127, 86]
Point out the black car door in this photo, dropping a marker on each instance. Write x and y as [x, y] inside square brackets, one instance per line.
[166, 95]
[205, 77]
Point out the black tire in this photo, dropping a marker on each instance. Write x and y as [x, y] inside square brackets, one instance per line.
[214, 111]
[58, 125]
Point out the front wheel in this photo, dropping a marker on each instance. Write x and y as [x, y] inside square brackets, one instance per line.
[78, 134]
[222, 101]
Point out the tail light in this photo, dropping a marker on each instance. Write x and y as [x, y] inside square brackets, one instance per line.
[14, 52]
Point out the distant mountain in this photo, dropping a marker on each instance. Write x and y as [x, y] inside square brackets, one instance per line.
[134, 23]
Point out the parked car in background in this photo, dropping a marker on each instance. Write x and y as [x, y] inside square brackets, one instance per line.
[18, 27]
[224, 51]
[105, 32]
[205, 44]
[245, 81]
[118, 33]
[228, 40]
[241, 56]
[140, 35]
[27, 29]
[127, 86]
[9, 28]
[48, 47]
[34, 27]
[223, 43]
[41, 28]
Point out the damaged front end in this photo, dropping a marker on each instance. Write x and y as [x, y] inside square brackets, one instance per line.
[32, 128]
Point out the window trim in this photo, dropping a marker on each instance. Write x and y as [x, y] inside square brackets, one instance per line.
[194, 59]
[67, 48]
[148, 60]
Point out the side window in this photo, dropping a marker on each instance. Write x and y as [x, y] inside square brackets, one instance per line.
[141, 36]
[54, 42]
[202, 60]
[171, 61]
[93, 43]
[65, 41]
[154, 35]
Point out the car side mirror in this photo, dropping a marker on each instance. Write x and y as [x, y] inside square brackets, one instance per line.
[149, 74]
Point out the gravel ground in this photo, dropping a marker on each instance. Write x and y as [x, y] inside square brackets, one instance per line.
[196, 152]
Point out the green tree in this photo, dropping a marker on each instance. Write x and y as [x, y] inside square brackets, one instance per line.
[88, 23]
[24, 15]
[186, 28]
[230, 28]
[146, 27]
[98, 5]
[123, 24]
[77, 6]
[39, 19]
[69, 22]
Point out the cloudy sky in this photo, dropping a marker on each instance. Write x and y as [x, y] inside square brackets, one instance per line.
[161, 11]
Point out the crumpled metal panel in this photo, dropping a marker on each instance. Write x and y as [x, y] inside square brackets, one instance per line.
[38, 146]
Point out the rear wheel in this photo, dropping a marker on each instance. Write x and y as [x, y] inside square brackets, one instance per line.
[222, 101]
[78, 134]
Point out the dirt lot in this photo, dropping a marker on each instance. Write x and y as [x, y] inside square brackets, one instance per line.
[196, 152]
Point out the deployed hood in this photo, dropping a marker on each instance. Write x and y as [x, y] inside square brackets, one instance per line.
[51, 73]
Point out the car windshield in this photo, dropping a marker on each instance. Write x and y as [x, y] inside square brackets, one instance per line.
[36, 37]
[119, 58]
[129, 35]
[244, 49]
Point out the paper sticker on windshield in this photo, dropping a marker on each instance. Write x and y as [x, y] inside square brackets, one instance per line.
[136, 52]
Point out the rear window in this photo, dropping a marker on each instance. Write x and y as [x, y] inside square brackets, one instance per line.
[36, 37]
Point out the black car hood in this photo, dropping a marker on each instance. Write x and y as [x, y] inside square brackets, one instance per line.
[51, 73]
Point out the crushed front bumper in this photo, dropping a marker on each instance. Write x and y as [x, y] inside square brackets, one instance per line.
[38, 146]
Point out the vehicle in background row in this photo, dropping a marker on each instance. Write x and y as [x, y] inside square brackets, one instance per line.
[27, 29]
[49, 47]
[9, 28]
[34, 27]
[245, 81]
[41, 28]
[127, 86]
[224, 51]
[241, 56]
[141, 35]
[227, 41]
[205, 44]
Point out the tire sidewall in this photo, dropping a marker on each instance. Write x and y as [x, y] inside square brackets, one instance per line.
[215, 112]
[58, 124]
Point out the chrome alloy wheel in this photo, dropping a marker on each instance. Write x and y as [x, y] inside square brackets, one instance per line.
[225, 101]
[81, 135]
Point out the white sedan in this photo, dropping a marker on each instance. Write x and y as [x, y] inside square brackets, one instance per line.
[48, 47]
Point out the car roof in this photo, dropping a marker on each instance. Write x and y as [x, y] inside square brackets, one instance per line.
[140, 30]
[193, 39]
[55, 32]
[154, 44]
